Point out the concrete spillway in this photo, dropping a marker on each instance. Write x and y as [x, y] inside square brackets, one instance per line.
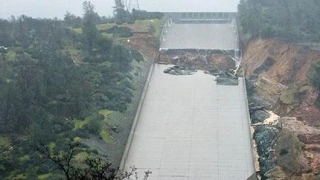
[200, 36]
[192, 128]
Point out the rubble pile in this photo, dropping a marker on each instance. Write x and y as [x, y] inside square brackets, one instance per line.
[180, 70]
[264, 137]
[227, 78]
[198, 59]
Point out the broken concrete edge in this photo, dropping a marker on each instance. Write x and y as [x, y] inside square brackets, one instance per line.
[223, 81]
[253, 177]
[224, 78]
[180, 70]
[136, 119]
[234, 54]
[248, 118]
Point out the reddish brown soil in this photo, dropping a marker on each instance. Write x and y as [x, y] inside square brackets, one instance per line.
[290, 69]
[292, 61]
[144, 43]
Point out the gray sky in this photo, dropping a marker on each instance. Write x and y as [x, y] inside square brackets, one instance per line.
[57, 8]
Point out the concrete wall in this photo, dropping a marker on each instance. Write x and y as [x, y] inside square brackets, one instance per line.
[201, 17]
[136, 118]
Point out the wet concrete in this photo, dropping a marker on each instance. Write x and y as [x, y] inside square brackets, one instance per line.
[192, 128]
[201, 36]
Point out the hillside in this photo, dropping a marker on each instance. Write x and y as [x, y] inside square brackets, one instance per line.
[280, 76]
[69, 92]
[281, 61]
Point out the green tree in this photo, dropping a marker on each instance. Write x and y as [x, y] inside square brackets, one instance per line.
[89, 12]
[72, 20]
[6, 34]
[31, 173]
[293, 20]
[44, 87]
[120, 14]
[92, 168]
[89, 29]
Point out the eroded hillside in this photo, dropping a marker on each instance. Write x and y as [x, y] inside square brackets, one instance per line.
[278, 73]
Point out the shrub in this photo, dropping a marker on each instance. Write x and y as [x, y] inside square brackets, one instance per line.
[314, 76]
[94, 124]
[289, 151]
[283, 151]
[136, 55]
[120, 31]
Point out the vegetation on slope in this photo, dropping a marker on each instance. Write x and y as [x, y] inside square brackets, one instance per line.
[287, 34]
[54, 80]
[294, 20]
[315, 80]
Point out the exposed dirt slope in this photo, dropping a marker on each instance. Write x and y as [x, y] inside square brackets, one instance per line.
[279, 72]
[291, 62]
[144, 43]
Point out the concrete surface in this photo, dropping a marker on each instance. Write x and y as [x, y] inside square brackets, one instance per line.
[192, 129]
[201, 36]
[188, 5]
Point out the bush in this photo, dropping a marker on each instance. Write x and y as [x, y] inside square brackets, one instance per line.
[120, 31]
[267, 32]
[314, 76]
[289, 150]
[94, 124]
[283, 152]
[82, 133]
[136, 55]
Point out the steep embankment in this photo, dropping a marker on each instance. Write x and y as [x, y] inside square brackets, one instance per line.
[118, 124]
[284, 63]
[279, 72]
